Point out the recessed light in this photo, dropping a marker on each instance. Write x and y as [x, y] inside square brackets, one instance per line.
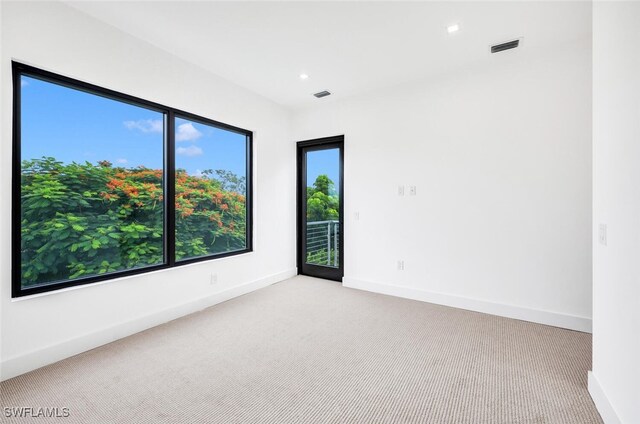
[304, 76]
[453, 28]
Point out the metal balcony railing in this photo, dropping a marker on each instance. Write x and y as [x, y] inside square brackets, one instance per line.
[322, 243]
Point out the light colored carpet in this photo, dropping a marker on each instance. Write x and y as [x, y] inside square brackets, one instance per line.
[311, 351]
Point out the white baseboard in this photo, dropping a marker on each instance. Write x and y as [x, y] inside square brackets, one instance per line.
[15, 366]
[603, 406]
[555, 319]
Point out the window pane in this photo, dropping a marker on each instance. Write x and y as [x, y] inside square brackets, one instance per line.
[323, 207]
[211, 190]
[91, 184]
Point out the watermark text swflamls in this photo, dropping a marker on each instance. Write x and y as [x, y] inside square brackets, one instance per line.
[31, 412]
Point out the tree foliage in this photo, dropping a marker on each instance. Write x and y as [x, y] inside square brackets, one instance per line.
[84, 219]
[322, 200]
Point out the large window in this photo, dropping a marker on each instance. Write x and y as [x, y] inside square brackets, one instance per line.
[211, 189]
[107, 185]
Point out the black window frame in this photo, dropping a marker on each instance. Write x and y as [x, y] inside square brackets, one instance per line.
[169, 237]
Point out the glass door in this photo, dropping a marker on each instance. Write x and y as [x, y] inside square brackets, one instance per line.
[320, 208]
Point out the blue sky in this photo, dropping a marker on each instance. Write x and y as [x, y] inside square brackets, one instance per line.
[200, 147]
[72, 125]
[325, 162]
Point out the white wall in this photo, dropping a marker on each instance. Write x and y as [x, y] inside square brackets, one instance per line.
[501, 157]
[58, 38]
[500, 154]
[615, 381]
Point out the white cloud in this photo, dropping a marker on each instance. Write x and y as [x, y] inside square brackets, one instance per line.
[189, 151]
[121, 160]
[24, 83]
[146, 125]
[187, 132]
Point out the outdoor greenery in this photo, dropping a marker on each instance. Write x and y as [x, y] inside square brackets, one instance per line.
[322, 200]
[319, 257]
[84, 219]
[323, 204]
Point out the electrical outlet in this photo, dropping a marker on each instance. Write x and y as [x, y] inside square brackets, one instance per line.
[400, 190]
[412, 190]
[214, 279]
[400, 265]
[602, 234]
[357, 216]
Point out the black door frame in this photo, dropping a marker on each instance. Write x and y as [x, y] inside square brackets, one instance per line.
[328, 273]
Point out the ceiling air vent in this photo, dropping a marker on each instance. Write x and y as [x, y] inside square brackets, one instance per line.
[505, 46]
[321, 94]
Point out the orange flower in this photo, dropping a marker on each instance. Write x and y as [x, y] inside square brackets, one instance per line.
[130, 191]
[114, 183]
[108, 196]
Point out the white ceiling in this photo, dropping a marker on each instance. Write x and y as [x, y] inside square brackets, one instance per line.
[345, 47]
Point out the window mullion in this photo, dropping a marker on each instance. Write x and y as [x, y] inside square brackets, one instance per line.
[170, 199]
